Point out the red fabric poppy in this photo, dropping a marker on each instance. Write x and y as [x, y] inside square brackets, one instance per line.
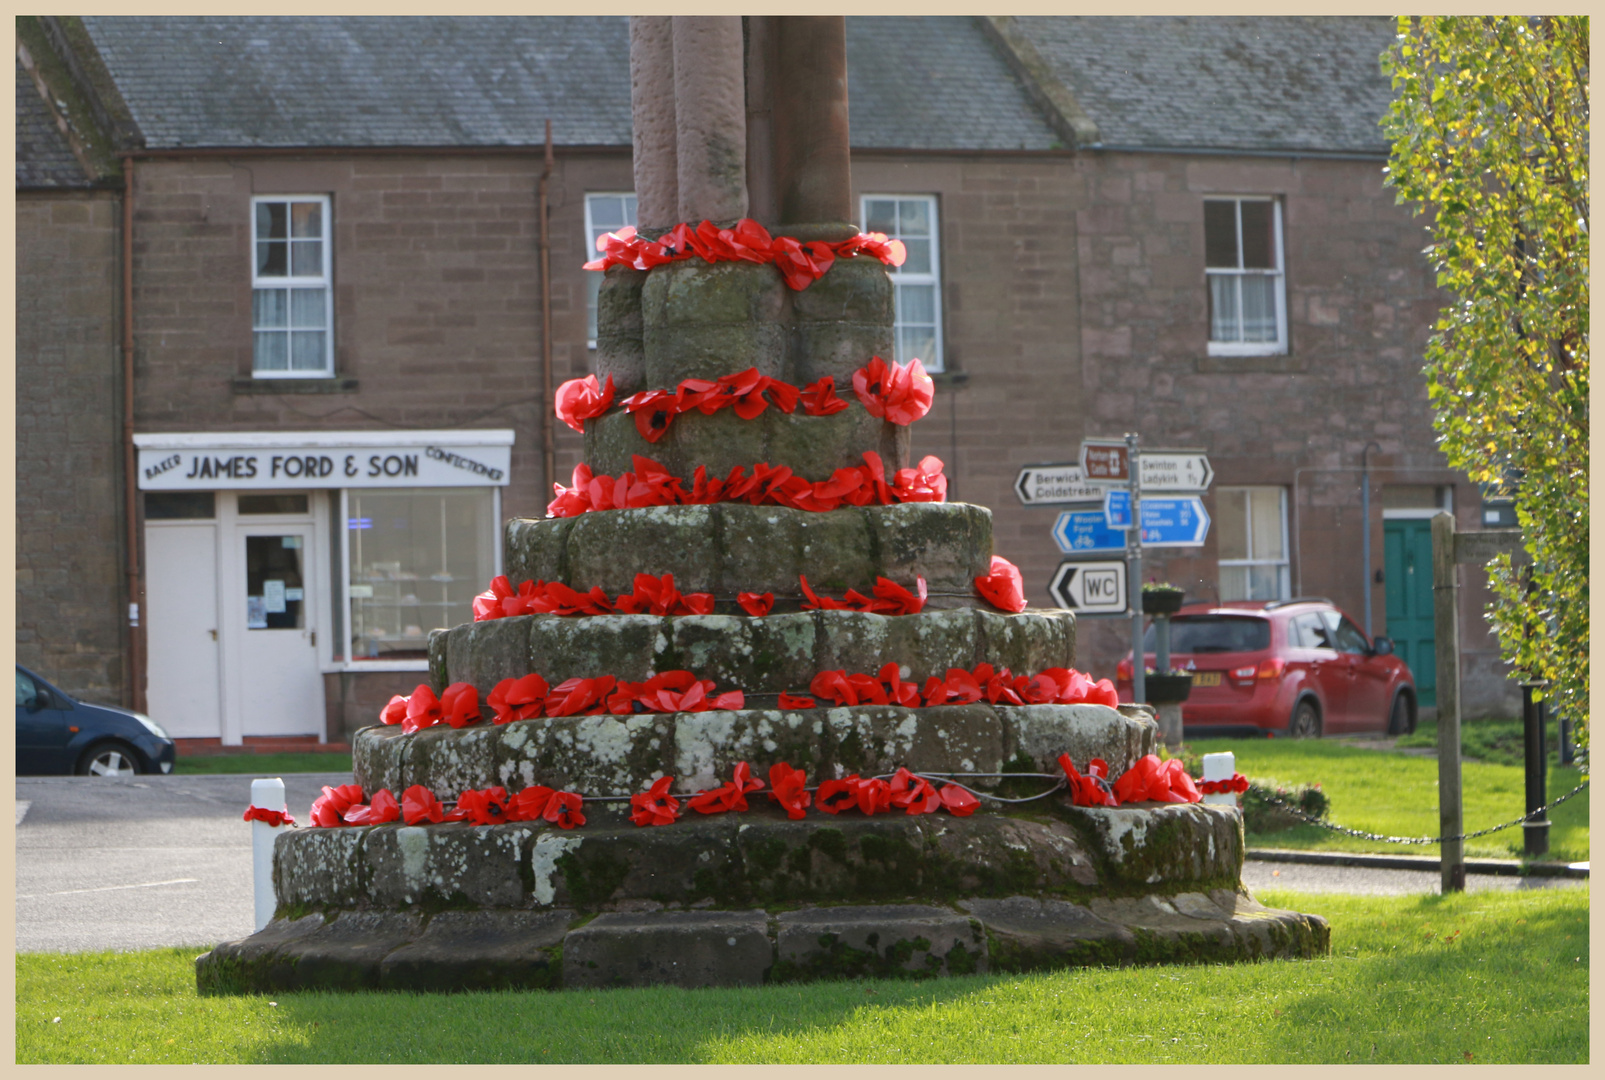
[898, 692]
[924, 483]
[571, 501]
[730, 796]
[874, 796]
[913, 794]
[759, 604]
[328, 808]
[394, 712]
[795, 701]
[896, 600]
[573, 697]
[890, 252]
[382, 808]
[423, 710]
[563, 810]
[654, 411]
[1091, 789]
[1003, 588]
[655, 806]
[900, 393]
[801, 265]
[418, 805]
[819, 398]
[834, 796]
[485, 807]
[518, 699]
[1238, 783]
[787, 786]
[958, 801]
[579, 400]
[272, 817]
[459, 704]
[529, 804]
[1151, 780]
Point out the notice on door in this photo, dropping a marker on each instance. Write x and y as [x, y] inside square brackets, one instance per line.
[273, 597]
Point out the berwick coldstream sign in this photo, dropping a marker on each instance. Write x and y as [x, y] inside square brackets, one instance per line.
[324, 460]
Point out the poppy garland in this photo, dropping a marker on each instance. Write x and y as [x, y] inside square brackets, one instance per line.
[658, 596]
[650, 484]
[899, 393]
[1149, 780]
[531, 696]
[801, 263]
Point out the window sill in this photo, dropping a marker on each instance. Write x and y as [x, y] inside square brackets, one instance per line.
[250, 385]
[357, 666]
[1272, 364]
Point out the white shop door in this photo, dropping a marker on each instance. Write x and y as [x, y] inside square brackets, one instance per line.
[280, 686]
[181, 628]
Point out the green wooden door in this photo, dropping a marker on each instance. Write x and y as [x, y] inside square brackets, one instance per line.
[1407, 574]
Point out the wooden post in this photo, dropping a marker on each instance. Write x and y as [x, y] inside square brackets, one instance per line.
[1446, 635]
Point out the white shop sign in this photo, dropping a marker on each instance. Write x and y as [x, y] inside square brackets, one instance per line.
[213, 461]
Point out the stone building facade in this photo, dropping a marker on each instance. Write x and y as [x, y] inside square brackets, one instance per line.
[1068, 237]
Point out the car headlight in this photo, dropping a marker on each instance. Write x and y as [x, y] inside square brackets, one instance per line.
[151, 726]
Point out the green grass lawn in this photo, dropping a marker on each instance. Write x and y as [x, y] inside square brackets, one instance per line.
[1483, 977]
[264, 764]
[1397, 795]
[1498, 742]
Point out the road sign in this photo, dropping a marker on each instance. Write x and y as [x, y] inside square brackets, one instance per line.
[1086, 531]
[1117, 508]
[1090, 588]
[1174, 522]
[1104, 460]
[1175, 470]
[1041, 485]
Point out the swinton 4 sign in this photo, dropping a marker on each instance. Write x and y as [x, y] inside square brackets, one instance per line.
[359, 459]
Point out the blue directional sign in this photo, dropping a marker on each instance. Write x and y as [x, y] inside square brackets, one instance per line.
[1086, 530]
[1173, 522]
[1117, 508]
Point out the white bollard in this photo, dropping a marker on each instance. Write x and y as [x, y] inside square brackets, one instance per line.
[1222, 766]
[268, 795]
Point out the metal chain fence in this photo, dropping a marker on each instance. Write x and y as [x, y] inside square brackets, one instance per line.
[1301, 815]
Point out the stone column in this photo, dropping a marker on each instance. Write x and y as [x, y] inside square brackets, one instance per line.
[710, 117]
[652, 105]
[809, 100]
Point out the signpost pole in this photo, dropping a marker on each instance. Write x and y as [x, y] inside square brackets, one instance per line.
[1139, 689]
[1446, 631]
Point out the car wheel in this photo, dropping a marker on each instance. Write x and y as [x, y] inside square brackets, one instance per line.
[1306, 723]
[1400, 722]
[109, 759]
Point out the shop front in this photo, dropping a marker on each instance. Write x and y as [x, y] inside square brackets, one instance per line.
[292, 579]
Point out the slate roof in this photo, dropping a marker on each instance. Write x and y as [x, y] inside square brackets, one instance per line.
[1224, 83]
[935, 84]
[931, 83]
[44, 160]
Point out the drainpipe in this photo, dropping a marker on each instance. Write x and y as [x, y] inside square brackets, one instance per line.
[548, 451]
[1365, 535]
[135, 652]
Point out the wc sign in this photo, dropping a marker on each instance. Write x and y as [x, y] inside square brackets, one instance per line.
[1090, 588]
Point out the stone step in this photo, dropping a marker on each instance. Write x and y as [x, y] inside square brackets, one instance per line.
[622, 755]
[726, 548]
[757, 655]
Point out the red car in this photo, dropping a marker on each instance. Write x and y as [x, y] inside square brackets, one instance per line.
[1295, 668]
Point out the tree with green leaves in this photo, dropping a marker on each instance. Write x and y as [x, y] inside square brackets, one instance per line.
[1490, 136]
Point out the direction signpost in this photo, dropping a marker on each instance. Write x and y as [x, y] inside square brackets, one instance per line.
[1105, 460]
[1086, 531]
[1175, 470]
[1179, 522]
[1044, 485]
[1092, 587]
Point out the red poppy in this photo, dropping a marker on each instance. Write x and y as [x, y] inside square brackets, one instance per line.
[423, 710]
[1003, 588]
[485, 807]
[572, 501]
[787, 786]
[914, 794]
[418, 805]
[529, 804]
[272, 817]
[563, 810]
[328, 808]
[573, 697]
[896, 600]
[890, 252]
[1091, 789]
[653, 410]
[834, 796]
[459, 704]
[655, 806]
[730, 796]
[394, 712]
[900, 393]
[819, 398]
[922, 484]
[801, 264]
[795, 701]
[382, 808]
[579, 400]
[874, 796]
[958, 800]
[1237, 783]
[756, 603]
[1151, 780]
[518, 699]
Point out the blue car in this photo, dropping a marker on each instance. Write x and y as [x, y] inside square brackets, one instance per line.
[58, 735]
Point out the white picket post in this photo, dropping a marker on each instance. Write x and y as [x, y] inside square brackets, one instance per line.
[268, 794]
[1222, 766]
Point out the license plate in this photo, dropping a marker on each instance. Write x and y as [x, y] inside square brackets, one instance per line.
[1206, 678]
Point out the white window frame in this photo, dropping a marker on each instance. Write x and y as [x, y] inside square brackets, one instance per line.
[1283, 577]
[1253, 348]
[901, 276]
[324, 280]
[591, 234]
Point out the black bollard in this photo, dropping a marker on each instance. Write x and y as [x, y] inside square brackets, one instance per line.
[1536, 829]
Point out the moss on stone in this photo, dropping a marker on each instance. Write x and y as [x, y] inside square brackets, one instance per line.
[591, 875]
